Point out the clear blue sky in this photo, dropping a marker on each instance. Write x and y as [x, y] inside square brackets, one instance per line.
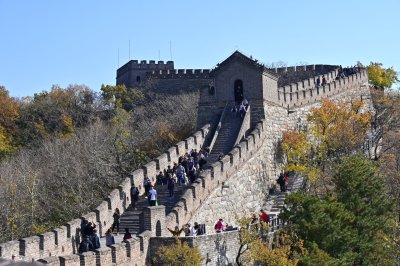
[46, 42]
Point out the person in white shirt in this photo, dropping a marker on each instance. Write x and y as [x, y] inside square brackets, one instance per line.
[153, 196]
[194, 229]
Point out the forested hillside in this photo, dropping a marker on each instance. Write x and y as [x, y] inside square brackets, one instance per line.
[63, 151]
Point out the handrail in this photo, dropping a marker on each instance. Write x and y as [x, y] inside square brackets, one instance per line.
[218, 127]
[244, 127]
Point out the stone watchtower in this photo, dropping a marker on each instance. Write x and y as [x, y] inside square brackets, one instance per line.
[239, 77]
[134, 73]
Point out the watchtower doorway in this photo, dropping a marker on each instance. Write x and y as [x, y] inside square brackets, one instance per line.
[238, 90]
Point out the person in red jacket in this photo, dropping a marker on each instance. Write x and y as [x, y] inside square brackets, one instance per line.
[264, 217]
[219, 226]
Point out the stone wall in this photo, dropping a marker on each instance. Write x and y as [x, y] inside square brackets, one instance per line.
[246, 189]
[215, 249]
[64, 241]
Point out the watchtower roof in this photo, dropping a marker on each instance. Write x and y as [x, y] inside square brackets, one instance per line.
[237, 55]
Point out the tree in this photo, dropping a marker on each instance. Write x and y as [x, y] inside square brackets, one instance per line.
[355, 225]
[334, 129]
[381, 77]
[178, 253]
[121, 96]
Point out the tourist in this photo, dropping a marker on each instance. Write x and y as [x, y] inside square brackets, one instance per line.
[219, 226]
[286, 181]
[86, 245]
[180, 170]
[94, 238]
[281, 182]
[109, 238]
[84, 227]
[170, 186]
[194, 229]
[160, 179]
[177, 231]
[127, 234]
[147, 185]
[117, 219]
[90, 228]
[186, 229]
[134, 195]
[264, 217]
[318, 81]
[152, 196]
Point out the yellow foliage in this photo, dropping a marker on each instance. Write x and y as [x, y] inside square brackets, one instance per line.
[286, 250]
[381, 77]
[68, 126]
[5, 142]
[178, 254]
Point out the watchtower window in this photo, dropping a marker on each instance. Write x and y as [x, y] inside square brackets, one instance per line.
[138, 79]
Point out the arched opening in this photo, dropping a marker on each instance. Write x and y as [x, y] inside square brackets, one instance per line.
[158, 228]
[238, 90]
[138, 79]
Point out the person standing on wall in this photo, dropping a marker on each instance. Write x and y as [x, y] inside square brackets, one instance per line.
[134, 195]
[153, 196]
[117, 219]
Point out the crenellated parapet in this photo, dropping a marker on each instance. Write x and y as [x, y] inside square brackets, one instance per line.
[61, 243]
[180, 74]
[307, 91]
[145, 65]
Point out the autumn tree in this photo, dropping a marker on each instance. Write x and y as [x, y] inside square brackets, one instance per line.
[355, 225]
[9, 113]
[334, 129]
[381, 77]
[178, 253]
[119, 96]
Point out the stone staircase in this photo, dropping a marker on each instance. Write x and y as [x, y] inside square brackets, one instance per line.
[224, 143]
[131, 217]
[226, 137]
[276, 200]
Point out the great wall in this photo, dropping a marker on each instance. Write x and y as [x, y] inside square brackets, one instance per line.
[280, 99]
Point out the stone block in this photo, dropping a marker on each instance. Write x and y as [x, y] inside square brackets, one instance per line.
[133, 251]
[8, 249]
[53, 261]
[103, 256]
[180, 213]
[88, 258]
[190, 144]
[119, 254]
[187, 199]
[114, 200]
[47, 244]
[235, 156]
[70, 260]
[205, 129]
[154, 220]
[138, 177]
[243, 150]
[62, 241]
[125, 191]
[162, 162]
[199, 140]
[216, 170]
[181, 147]
[103, 217]
[173, 154]
[226, 167]
[150, 170]
[29, 248]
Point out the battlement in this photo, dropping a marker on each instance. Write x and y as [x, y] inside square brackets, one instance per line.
[307, 91]
[145, 65]
[180, 73]
[64, 241]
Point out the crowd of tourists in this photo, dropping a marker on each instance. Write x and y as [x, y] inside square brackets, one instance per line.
[342, 73]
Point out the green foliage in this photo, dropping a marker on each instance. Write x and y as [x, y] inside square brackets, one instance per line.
[356, 226]
[381, 77]
[178, 254]
[120, 96]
